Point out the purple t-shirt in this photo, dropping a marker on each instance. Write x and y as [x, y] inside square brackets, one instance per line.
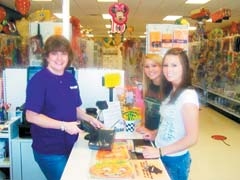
[57, 97]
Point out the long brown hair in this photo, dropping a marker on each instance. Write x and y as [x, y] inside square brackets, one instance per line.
[186, 75]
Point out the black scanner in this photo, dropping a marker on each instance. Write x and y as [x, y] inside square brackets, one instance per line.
[97, 138]
[92, 131]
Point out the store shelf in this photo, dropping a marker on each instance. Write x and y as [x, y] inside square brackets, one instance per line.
[226, 104]
[5, 163]
[216, 75]
[4, 135]
[223, 108]
[9, 130]
[224, 96]
[198, 86]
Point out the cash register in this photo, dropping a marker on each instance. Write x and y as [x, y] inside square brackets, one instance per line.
[98, 138]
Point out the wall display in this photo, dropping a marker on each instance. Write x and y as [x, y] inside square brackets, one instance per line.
[38, 33]
[11, 52]
[216, 72]
[161, 37]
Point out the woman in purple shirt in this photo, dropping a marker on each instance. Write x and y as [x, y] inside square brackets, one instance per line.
[53, 108]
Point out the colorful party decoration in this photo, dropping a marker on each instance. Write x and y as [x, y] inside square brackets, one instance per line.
[200, 14]
[23, 29]
[221, 14]
[41, 15]
[182, 21]
[119, 12]
[22, 6]
[116, 28]
[2, 14]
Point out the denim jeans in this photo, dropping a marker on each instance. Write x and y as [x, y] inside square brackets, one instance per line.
[178, 167]
[52, 166]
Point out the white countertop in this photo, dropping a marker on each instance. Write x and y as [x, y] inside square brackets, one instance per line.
[81, 156]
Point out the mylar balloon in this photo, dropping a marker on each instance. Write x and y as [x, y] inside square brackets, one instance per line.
[22, 6]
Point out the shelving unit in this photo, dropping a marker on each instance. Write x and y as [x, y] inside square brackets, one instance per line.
[5, 164]
[8, 136]
[216, 74]
[226, 104]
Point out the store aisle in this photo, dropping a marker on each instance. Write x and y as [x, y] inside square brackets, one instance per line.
[212, 159]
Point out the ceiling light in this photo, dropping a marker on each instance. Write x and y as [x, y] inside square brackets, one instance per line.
[58, 15]
[106, 16]
[192, 28]
[107, 0]
[90, 35]
[196, 1]
[171, 18]
[142, 36]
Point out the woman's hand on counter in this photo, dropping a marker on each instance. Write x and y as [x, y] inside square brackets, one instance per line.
[150, 152]
[140, 129]
[147, 133]
[71, 127]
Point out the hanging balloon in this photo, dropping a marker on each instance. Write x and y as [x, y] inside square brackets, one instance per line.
[119, 13]
[2, 14]
[22, 6]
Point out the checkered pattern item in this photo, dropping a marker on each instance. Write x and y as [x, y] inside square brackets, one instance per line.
[130, 126]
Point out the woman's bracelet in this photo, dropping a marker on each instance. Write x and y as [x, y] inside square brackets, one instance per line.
[160, 152]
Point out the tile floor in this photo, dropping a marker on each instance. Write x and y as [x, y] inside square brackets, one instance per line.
[212, 159]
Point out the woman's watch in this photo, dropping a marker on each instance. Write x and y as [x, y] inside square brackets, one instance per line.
[62, 127]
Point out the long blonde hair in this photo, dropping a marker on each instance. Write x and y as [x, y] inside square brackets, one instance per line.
[146, 81]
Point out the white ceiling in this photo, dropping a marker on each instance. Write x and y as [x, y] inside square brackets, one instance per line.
[141, 12]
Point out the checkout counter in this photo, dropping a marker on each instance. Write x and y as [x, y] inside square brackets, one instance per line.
[82, 158]
[79, 162]
[23, 166]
